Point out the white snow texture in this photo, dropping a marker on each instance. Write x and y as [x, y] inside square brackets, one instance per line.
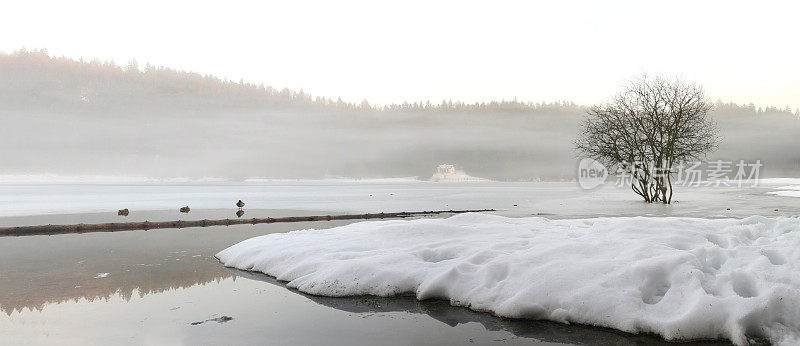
[681, 278]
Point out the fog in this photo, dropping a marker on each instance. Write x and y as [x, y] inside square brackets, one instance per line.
[89, 118]
[238, 144]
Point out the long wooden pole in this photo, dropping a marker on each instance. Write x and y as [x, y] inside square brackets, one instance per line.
[146, 225]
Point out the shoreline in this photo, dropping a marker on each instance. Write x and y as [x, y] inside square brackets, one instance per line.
[147, 225]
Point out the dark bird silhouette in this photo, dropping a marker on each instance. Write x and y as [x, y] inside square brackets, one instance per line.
[123, 212]
[239, 213]
[185, 209]
[240, 204]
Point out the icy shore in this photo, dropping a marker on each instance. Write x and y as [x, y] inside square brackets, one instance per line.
[682, 278]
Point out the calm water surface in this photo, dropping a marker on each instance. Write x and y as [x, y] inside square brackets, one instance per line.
[165, 287]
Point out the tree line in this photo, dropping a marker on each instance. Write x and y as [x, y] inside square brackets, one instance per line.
[33, 76]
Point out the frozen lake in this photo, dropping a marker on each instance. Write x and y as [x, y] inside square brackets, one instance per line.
[554, 199]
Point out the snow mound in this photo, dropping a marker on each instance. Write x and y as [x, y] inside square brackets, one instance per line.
[457, 176]
[682, 278]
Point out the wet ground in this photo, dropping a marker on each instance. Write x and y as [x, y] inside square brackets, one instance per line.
[165, 287]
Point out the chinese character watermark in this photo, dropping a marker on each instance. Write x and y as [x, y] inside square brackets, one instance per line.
[719, 173]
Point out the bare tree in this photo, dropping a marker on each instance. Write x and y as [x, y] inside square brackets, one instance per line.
[653, 125]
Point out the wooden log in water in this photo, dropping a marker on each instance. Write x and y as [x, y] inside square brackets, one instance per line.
[146, 225]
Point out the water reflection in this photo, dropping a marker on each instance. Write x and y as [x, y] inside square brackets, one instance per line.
[454, 316]
[157, 282]
[37, 270]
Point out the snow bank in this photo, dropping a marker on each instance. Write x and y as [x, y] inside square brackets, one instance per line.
[682, 278]
[457, 177]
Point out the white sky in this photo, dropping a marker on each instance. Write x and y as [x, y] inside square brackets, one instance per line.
[411, 50]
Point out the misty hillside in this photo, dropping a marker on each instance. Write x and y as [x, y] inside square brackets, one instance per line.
[72, 117]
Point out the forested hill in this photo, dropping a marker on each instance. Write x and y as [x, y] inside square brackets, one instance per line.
[74, 117]
[34, 77]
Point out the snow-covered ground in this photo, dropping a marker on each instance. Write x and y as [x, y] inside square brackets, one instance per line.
[457, 176]
[787, 191]
[779, 181]
[682, 278]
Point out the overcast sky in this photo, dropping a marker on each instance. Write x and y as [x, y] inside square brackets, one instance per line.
[411, 50]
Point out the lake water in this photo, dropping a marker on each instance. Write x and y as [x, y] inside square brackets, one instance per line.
[165, 287]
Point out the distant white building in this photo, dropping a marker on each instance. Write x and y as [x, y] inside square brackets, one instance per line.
[446, 169]
[448, 173]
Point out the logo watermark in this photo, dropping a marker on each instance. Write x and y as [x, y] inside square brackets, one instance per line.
[592, 173]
